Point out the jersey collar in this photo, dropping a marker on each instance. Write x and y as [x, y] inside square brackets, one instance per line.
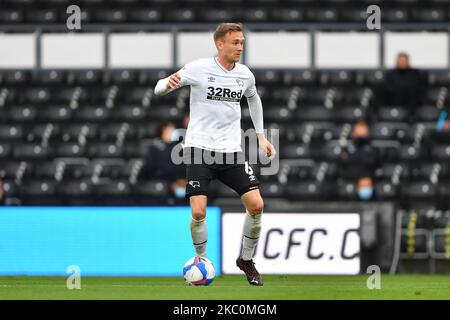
[221, 67]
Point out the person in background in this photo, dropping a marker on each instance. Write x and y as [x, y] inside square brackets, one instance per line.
[360, 160]
[403, 86]
[2, 193]
[443, 124]
[185, 120]
[440, 135]
[365, 188]
[158, 163]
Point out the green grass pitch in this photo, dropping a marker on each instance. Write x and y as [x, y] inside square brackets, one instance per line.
[229, 287]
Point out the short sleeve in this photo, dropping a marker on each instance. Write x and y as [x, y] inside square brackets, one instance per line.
[251, 89]
[188, 74]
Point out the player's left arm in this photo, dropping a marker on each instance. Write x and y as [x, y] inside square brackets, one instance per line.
[256, 113]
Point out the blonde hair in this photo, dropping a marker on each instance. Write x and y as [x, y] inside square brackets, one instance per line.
[223, 29]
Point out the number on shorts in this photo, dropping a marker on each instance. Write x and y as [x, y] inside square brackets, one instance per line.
[248, 169]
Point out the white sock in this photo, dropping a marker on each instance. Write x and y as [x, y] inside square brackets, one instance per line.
[250, 235]
[199, 233]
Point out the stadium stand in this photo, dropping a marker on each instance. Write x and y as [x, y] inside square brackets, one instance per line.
[57, 129]
[80, 137]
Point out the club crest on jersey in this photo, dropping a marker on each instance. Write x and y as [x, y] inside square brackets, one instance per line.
[240, 83]
[224, 94]
[194, 184]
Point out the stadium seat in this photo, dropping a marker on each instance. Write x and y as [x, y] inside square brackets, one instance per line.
[56, 114]
[415, 247]
[11, 16]
[390, 130]
[116, 188]
[11, 133]
[22, 114]
[427, 113]
[385, 190]
[306, 190]
[43, 16]
[39, 188]
[440, 244]
[396, 15]
[323, 15]
[51, 77]
[10, 188]
[392, 113]
[441, 152]
[110, 16]
[287, 15]
[430, 15]
[152, 188]
[70, 150]
[354, 15]
[150, 15]
[165, 113]
[346, 190]
[272, 190]
[295, 151]
[76, 188]
[300, 78]
[419, 190]
[30, 151]
[97, 114]
[267, 77]
[336, 78]
[439, 77]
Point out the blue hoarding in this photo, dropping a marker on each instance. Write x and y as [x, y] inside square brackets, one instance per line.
[109, 241]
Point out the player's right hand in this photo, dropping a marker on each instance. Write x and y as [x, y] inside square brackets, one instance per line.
[174, 81]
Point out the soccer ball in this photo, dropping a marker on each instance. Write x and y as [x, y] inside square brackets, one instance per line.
[199, 271]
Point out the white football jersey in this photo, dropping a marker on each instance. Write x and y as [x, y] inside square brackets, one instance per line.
[215, 110]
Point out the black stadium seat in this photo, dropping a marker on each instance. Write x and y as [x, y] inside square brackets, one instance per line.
[22, 114]
[386, 190]
[39, 188]
[11, 132]
[70, 150]
[153, 188]
[11, 16]
[150, 15]
[76, 188]
[31, 151]
[116, 188]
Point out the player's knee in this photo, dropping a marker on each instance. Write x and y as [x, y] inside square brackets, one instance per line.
[256, 207]
[198, 212]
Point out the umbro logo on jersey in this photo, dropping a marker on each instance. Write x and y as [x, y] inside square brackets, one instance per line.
[211, 79]
[194, 184]
[240, 83]
[224, 94]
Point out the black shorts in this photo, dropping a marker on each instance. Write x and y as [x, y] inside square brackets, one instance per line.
[238, 175]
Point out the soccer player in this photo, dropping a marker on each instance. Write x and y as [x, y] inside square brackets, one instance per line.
[217, 86]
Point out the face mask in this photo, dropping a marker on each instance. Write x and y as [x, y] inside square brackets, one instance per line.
[365, 193]
[174, 136]
[180, 192]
